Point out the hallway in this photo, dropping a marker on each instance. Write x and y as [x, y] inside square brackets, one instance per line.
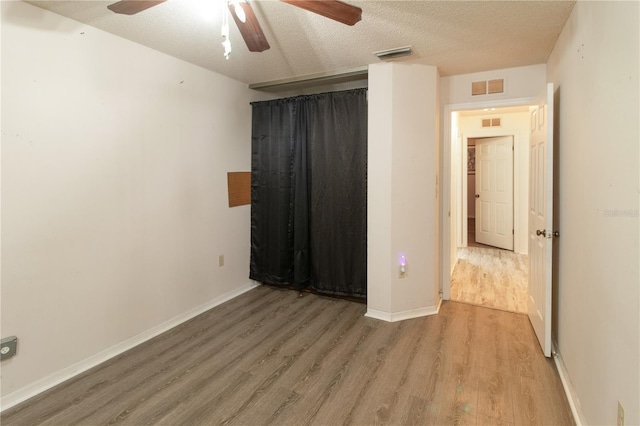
[491, 277]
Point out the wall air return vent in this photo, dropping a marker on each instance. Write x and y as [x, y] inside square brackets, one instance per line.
[496, 86]
[491, 122]
[487, 87]
[478, 88]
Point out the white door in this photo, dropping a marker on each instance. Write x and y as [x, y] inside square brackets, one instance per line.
[494, 192]
[541, 219]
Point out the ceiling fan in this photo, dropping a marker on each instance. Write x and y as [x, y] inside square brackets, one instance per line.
[246, 20]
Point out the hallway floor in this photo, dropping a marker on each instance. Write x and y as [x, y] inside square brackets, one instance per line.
[491, 277]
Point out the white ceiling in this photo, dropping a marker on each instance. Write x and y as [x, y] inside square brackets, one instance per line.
[456, 36]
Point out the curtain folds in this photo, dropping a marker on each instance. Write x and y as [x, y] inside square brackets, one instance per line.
[308, 192]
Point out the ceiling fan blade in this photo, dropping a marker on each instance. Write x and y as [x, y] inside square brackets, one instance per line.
[131, 7]
[249, 29]
[332, 9]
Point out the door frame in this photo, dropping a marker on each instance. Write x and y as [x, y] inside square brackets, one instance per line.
[447, 246]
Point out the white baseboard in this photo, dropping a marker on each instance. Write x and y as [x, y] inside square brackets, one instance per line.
[54, 379]
[574, 402]
[403, 315]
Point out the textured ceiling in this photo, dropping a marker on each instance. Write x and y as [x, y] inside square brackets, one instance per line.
[456, 36]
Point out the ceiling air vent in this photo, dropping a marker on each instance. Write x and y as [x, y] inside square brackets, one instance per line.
[398, 52]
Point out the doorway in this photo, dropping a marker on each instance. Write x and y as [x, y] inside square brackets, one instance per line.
[490, 192]
[489, 263]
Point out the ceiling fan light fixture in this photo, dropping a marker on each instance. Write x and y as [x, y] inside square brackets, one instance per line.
[397, 52]
[224, 31]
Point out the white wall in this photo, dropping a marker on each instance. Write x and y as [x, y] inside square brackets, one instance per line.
[114, 202]
[514, 124]
[520, 82]
[402, 195]
[595, 68]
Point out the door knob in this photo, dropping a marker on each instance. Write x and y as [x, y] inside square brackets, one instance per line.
[477, 195]
[543, 233]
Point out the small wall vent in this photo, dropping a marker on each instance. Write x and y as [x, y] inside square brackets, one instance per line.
[491, 122]
[487, 87]
[496, 86]
[479, 88]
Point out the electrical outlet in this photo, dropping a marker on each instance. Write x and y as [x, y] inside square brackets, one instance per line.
[402, 271]
[221, 260]
[8, 347]
[402, 268]
[620, 414]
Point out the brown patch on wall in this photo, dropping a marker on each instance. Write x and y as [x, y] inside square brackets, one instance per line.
[239, 187]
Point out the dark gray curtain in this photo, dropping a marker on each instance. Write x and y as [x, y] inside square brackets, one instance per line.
[308, 192]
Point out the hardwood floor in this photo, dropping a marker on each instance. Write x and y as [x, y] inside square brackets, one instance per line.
[286, 358]
[491, 277]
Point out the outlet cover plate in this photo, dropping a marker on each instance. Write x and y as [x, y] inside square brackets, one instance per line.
[8, 347]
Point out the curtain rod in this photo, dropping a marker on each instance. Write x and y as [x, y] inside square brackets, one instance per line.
[324, 77]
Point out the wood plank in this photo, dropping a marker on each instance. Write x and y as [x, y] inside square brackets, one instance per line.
[495, 398]
[315, 379]
[461, 395]
[491, 277]
[364, 372]
[277, 358]
[118, 377]
[538, 395]
[388, 378]
[214, 364]
[281, 357]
